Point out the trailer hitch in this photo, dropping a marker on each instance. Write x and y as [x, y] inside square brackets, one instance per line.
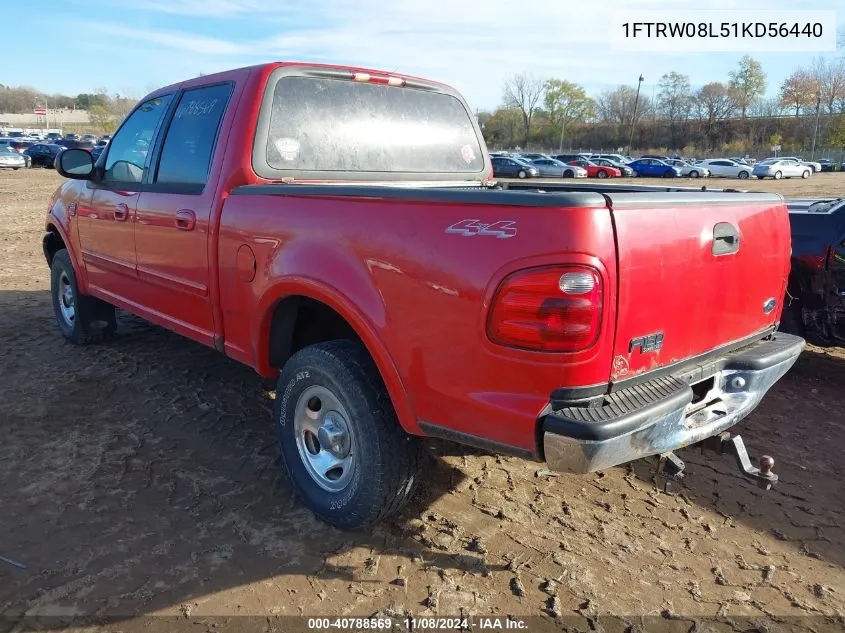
[725, 443]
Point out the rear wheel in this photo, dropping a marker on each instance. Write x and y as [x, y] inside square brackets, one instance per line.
[778, 175]
[341, 443]
[694, 174]
[81, 319]
[602, 173]
[522, 174]
[760, 177]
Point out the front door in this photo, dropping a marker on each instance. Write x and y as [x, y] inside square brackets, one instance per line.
[106, 220]
[174, 212]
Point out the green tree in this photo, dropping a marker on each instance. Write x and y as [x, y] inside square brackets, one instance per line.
[837, 134]
[747, 83]
[567, 103]
[100, 117]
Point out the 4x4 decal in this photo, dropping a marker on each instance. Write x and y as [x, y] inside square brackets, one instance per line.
[501, 229]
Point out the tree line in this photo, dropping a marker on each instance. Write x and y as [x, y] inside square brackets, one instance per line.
[104, 110]
[732, 115]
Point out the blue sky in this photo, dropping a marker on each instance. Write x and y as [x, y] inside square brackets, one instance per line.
[134, 46]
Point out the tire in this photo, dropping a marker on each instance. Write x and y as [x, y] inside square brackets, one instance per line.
[378, 464]
[778, 175]
[694, 174]
[602, 173]
[569, 174]
[15, 168]
[668, 174]
[81, 319]
[760, 177]
[805, 174]
[634, 174]
[522, 174]
[743, 175]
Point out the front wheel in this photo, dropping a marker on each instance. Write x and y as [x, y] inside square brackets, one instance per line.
[81, 319]
[341, 443]
[805, 174]
[602, 173]
[634, 174]
[760, 177]
[668, 174]
[743, 175]
[569, 174]
[522, 174]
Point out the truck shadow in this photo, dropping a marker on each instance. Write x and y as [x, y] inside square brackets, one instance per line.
[144, 473]
[142, 476]
[801, 423]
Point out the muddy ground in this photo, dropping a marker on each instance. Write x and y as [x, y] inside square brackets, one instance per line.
[141, 477]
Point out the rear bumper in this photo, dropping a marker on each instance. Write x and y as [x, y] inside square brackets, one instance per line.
[665, 414]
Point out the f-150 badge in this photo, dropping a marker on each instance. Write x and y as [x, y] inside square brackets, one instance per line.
[501, 229]
[648, 343]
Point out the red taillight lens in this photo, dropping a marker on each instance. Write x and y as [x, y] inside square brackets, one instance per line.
[554, 309]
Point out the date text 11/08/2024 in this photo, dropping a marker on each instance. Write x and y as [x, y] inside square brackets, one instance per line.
[412, 623]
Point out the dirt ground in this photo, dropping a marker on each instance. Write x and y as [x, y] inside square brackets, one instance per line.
[141, 477]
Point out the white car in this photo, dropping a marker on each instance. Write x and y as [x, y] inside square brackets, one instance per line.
[778, 168]
[725, 168]
[817, 167]
[688, 170]
[616, 158]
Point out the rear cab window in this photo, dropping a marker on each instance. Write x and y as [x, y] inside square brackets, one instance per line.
[324, 125]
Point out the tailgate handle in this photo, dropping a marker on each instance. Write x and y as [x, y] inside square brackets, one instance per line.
[725, 239]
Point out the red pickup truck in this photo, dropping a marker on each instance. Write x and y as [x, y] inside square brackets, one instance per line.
[339, 229]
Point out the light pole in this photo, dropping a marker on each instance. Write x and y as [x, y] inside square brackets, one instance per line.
[816, 129]
[634, 117]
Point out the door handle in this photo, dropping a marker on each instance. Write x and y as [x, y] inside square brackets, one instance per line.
[121, 212]
[185, 220]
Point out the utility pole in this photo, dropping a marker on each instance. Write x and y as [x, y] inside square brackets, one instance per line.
[816, 128]
[634, 116]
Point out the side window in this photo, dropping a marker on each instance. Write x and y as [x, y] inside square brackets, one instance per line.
[189, 144]
[127, 152]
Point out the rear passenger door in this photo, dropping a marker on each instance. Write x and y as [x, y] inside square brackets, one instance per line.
[174, 213]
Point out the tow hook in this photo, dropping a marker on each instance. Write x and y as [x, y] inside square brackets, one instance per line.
[671, 467]
[724, 443]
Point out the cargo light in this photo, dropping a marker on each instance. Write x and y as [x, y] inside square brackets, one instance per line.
[378, 79]
[549, 309]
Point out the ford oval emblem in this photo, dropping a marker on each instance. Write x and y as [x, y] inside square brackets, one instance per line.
[770, 305]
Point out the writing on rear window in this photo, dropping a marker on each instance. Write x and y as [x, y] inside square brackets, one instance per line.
[196, 108]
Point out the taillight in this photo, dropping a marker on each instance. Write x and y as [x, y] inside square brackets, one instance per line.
[550, 309]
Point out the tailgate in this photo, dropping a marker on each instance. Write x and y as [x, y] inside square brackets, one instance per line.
[685, 277]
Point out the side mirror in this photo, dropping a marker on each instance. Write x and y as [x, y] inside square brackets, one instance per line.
[75, 163]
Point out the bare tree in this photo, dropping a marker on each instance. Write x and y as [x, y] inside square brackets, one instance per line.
[830, 77]
[523, 92]
[617, 106]
[675, 102]
[713, 105]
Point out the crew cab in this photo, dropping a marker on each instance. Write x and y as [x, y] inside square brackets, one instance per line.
[816, 291]
[338, 230]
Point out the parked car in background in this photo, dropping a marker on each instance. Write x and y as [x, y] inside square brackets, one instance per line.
[70, 136]
[778, 168]
[91, 138]
[725, 168]
[513, 167]
[97, 151]
[10, 159]
[654, 167]
[551, 168]
[568, 158]
[827, 164]
[616, 158]
[815, 302]
[816, 166]
[16, 145]
[627, 172]
[529, 156]
[72, 144]
[53, 136]
[596, 171]
[657, 156]
[743, 160]
[688, 169]
[43, 154]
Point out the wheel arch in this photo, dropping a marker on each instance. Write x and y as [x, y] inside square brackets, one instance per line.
[275, 329]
